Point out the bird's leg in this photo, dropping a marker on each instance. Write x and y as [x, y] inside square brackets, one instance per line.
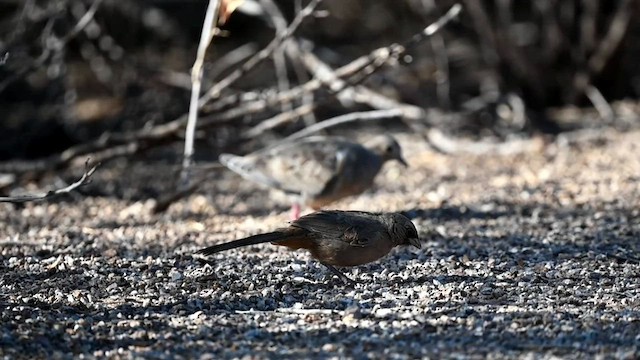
[295, 211]
[340, 275]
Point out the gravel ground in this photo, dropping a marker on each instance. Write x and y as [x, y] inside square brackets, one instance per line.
[532, 256]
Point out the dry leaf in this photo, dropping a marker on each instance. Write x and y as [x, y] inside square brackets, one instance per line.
[226, 8]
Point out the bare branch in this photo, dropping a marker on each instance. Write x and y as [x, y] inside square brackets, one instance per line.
[53, 46]
[618, 28]
[136, 141]
[358, 70]
[346, 118]
[208, 29]
[214, 91]
[450, 145]
[85, 179]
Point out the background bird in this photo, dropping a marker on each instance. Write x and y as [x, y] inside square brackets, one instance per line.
[337, 238]
[317, 170]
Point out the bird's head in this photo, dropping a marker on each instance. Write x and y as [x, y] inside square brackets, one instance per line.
[404, 230]
[386, 147]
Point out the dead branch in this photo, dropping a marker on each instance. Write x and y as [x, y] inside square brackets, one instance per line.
[612, 39]
[85, 179]
[360, 94]
[498, 46]
[601, 56]
[279, 61]
[344, 119]
[600, 103]
[128, 143]
[450, 145]
[215, 91]
[209, 27]
[356, 71]
[52, 45]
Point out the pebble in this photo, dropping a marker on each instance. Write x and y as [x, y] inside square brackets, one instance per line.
[504, 272]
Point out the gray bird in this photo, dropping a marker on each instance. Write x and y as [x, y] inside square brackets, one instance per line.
[317, 170]
[337, 238]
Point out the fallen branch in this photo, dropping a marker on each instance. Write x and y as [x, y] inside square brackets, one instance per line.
[449, 145]
[85, 179]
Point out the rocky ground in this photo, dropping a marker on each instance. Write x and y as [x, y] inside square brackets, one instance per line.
[533, 255]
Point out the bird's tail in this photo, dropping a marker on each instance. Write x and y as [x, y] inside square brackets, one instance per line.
[251, 240]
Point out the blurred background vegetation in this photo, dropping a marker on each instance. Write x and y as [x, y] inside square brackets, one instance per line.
[504, 68]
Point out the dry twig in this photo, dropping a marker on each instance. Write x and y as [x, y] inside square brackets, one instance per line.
[52, 44]
[215, 91]
[208, 30]
[85, 179]
[356, 72]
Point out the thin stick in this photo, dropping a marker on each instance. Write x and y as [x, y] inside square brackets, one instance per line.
[214, 91]
[360, 93]
[196, 81]
[600, 103]
[51, 46]
[148, 137]
[359, 68]
[85, 179]
[346, 118]
[279, 60]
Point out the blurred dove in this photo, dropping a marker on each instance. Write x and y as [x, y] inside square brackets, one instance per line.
[337, 238]
[317, 170]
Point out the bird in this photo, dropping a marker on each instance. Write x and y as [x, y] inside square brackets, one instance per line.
[337, 238]
[317, 170]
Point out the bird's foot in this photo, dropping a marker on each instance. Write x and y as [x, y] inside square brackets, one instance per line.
[344, 278]
[295, 211]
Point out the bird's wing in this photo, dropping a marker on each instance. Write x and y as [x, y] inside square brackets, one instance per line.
[351, 227]
[249, 168]
[302, 167]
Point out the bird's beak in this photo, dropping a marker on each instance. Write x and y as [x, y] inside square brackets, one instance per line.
[402, 161]
[415, 242]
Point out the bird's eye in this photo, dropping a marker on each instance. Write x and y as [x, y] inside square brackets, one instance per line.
[388, 149]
